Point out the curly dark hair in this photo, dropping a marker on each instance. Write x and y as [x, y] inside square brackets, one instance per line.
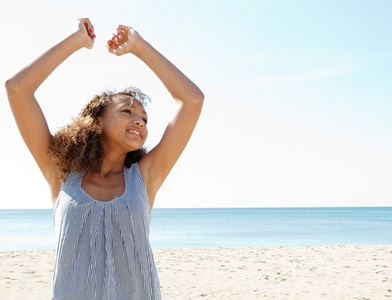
[77, 146]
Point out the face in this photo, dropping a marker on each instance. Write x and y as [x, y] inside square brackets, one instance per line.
[124, 125]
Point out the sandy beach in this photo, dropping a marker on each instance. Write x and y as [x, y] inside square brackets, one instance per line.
[321, 272]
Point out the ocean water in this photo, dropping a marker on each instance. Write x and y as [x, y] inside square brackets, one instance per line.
[224, 227]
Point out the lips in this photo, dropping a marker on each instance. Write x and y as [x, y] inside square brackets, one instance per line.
[135, 132]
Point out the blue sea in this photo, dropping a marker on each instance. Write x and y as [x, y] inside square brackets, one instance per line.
[223, 227]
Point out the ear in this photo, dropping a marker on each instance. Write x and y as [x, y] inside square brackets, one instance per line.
[99, 123]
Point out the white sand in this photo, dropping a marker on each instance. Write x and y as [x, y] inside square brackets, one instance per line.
[322, 272]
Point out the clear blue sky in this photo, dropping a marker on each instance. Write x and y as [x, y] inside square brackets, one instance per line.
[298, 96]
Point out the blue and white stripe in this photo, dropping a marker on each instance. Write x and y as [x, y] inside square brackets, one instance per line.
[103, 249]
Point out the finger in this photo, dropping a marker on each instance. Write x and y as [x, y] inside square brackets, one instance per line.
[114, 45]
[110, 49]
[116, 33]
[90, 27]
[91, 33]
[87, 24]
[123, 28]
[121, 35]
[113, 51]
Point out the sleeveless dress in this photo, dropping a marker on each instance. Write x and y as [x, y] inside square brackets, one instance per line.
[103, 250]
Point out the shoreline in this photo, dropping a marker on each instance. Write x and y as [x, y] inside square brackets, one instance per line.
[295, 272]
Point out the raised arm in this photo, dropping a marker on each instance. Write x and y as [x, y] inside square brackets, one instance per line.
[25, 108]
[156, 165]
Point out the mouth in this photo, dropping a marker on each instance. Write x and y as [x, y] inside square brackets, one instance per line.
[132, 131]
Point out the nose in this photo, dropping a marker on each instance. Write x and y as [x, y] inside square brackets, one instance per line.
[139, 122]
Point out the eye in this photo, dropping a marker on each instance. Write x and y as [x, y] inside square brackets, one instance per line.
[128, 111]
[145, 121]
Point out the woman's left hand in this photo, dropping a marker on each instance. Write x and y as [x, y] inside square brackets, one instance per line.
[124, 40]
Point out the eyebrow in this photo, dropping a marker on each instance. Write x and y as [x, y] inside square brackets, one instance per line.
[133, 106]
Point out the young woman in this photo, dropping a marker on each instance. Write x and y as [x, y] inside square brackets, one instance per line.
[103, 184]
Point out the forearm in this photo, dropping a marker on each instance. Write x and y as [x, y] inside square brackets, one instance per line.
[179, 86]
[30, 78]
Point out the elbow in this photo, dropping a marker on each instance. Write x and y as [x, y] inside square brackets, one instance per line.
[194, 99]
[197, 101]
[12, 86]
[198, 98]
[201, 97]
[15, 87]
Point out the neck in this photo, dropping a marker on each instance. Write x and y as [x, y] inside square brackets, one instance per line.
[112, 165]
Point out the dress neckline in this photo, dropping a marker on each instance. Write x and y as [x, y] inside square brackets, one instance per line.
[100, 201]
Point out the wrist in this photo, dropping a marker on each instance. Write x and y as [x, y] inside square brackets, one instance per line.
[80, 40]
[140, 46]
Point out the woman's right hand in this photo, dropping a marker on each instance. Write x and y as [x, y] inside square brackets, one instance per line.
[86, 31]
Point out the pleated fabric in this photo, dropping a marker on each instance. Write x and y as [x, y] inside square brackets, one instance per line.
[103, 249]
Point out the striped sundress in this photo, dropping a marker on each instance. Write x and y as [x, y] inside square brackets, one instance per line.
[103, 250]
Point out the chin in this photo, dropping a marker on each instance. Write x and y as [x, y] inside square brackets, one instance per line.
[134, 148]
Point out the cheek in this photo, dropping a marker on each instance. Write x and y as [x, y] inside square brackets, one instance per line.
[106, 130]
[109, 131]
[110, 124]
[145, 135]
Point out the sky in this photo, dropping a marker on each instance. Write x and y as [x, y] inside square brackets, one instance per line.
[298, 96]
